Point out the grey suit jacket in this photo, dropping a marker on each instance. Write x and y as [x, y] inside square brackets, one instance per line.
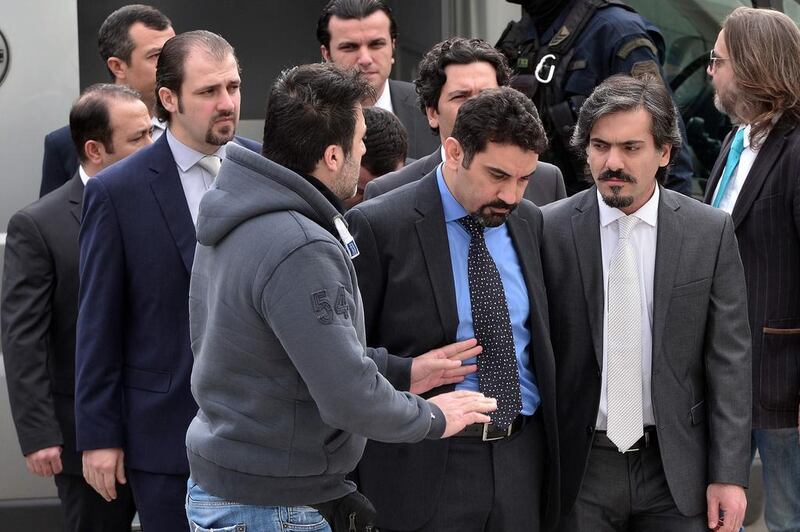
[546, 184]
[701, 373]
[421, 139]
[766, 218]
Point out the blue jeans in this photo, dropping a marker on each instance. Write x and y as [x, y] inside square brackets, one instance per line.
[780, 455]
[207, 513]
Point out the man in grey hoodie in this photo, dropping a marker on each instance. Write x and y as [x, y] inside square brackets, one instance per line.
[287, 390]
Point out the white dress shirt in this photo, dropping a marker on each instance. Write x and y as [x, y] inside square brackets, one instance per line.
[158, 128]
[739, 176]
[84, 176]
[385, 100]
[195, 180]
[643, 239]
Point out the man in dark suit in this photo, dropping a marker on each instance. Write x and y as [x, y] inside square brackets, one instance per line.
[137, 240]
[756, 179]
[453, 255]
[130, 40]
[648, 321]
[449, 74]
[40, 307]
[361, 34]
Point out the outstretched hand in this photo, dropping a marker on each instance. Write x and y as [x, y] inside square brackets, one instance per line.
[443, 366]
[462, 408]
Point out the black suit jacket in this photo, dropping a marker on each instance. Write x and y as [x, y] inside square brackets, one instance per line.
[60, 160]
[39, 309]
[406, 283]
[546, 184]
[421, 139]
[766, 218]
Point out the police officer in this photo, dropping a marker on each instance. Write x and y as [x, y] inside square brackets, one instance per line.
[562, 49]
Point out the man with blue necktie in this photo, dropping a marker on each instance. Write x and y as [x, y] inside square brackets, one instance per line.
[756, 179]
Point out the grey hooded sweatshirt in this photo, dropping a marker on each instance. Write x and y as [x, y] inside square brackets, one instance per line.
[287, 389]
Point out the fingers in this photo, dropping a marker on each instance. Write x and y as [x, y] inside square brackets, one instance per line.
[458, 347]
[466, 354]
[44, 462]
[120, 476]
[476, 417]
[713, 513]
[110, 485]
[55, 463]
[460, 371]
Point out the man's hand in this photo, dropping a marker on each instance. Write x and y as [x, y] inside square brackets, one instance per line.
[462, 408]
[726, 506]
[45, 462]
[102, 469]
[443, 366]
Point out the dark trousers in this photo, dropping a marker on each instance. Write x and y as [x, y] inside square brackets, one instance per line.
[627, 492]
[160, 500]
[86, 511]
[492, 486]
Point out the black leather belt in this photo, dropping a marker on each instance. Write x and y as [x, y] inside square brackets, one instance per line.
[649, 439]
[487, 432]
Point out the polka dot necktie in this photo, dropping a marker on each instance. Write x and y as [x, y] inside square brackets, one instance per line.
[497, 365]
[624, 337]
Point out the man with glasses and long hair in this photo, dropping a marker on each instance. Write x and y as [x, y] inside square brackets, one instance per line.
[755, 72]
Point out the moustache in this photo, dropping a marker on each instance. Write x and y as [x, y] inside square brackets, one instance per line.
[499, 204]
[618, 175]
[225, 114]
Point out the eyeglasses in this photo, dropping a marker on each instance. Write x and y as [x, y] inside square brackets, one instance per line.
[714, 60]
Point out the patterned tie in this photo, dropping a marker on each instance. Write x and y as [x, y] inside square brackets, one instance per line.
[735, 153]
[624, 336]
[211, 164]
[497, 365]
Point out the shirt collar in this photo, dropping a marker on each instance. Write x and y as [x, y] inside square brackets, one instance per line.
[186, 157]
[385, 100]
[84, 176]
[160, 124]
[648, 213]
[452, 208]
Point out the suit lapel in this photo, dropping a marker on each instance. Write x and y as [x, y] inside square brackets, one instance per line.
[716, 171]
[669, 240]
[166, 186]
[432, 234]
[75, 197]
[586, 235]
[767, 156]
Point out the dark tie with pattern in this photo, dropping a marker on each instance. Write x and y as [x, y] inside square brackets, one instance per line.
[497, 365]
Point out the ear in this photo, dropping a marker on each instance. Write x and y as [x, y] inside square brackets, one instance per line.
[326, 55]
[453, 153]
[394, 42]
[666, 149]
[118, 67]
[433, 116]
[168, 99]
[94, 151]
[333, 158]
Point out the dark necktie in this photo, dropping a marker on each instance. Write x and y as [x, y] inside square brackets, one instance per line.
[497, 365]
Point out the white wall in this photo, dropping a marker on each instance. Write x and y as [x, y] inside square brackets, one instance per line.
[37, 93]
[35, 99]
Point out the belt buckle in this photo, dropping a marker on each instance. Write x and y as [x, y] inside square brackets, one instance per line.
[486, 437]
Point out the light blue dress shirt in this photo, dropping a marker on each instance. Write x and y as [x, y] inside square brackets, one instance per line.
[501, 248]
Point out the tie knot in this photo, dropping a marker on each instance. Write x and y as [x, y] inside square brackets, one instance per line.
[626, 225]
[211, 164]
[737, 146]
[473, 227]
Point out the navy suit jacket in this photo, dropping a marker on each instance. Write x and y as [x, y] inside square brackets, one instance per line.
[60, 160]
[133, 356]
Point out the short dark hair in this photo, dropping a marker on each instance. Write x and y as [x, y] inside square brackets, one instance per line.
[114, 39]
[460, 51]
[386, 141]
[169, 70]
[621, 93]
[89, 118]
[351, 9]
[309, 108]
[502, 116]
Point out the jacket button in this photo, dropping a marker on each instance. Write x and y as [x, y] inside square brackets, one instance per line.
[589, 430]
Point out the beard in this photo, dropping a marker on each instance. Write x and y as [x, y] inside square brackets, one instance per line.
[616, 200]
[225, 133]
[487, 218]
[346, 185]
[726, 103]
